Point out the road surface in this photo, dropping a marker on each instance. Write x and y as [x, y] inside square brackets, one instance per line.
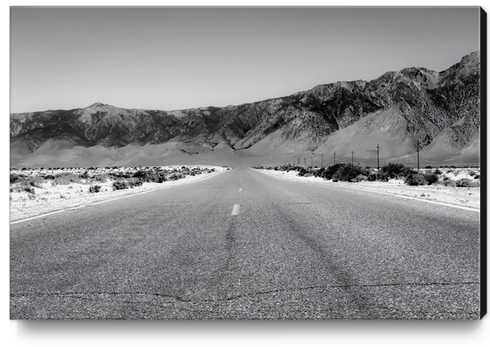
[247, 245]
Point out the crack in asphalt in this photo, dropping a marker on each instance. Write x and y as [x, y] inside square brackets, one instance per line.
[257, 293]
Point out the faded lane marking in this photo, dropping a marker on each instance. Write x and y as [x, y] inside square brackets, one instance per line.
[121, 197]
[240, 189]
[405, 197]
[236, 210]
[40, 216]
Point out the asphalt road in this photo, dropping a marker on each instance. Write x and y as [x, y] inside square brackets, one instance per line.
[246, 245]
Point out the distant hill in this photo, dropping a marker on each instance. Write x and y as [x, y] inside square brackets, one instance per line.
[440, 109]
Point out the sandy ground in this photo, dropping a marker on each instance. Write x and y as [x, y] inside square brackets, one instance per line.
[51, 198]
[467, 197]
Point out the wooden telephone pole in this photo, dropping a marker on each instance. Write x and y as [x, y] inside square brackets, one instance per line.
[418, 161]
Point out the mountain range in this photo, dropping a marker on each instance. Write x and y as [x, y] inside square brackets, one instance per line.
[439, 111]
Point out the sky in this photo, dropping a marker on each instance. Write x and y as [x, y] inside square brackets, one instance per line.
[175, 58]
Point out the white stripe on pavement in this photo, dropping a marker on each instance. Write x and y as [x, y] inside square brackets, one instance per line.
[236, 210]
[35, 217]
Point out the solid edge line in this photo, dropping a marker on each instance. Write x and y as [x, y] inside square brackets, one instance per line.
[121, 197]
[382, 193]
[409, 197]
[36, 217]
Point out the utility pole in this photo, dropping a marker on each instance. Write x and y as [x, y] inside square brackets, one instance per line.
[322, 160]
[305, 162]
[298, 161]
[333, 158]
[377, 154]
[352, 158]
[312, 161]
[418, 161]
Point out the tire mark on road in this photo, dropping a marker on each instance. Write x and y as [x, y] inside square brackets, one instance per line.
[360, 300]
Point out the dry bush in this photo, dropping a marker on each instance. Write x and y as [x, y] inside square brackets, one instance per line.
[94, 189]
[415, 179]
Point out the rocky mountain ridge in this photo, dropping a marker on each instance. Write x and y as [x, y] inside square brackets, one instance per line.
[421, 104]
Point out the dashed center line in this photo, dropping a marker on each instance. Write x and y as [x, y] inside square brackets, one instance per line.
[236, 210]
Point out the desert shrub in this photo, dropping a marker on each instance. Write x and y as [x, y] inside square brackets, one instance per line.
[14, 178]
[359, 178]
[395, 170]
[94, 189]
[145, 176]
[383, 177]
[319, 172]
[449, 183]
[29, 190]
[438, 172]
[464, 182]
[329, 172]
[348, 173]
[302, 171]
[121, 174]
[49, 177]
[308, 174]
[415, 179]
[472, 173]
[84, 175]
[118, 185]
[136, 184]
[372, 176]
[477, 177]
[175, 176]
[428, 167]
[431, 178]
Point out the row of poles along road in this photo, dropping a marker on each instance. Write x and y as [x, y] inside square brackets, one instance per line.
[352, 158]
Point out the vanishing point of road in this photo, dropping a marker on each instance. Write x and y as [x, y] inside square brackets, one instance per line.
[246, 245]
